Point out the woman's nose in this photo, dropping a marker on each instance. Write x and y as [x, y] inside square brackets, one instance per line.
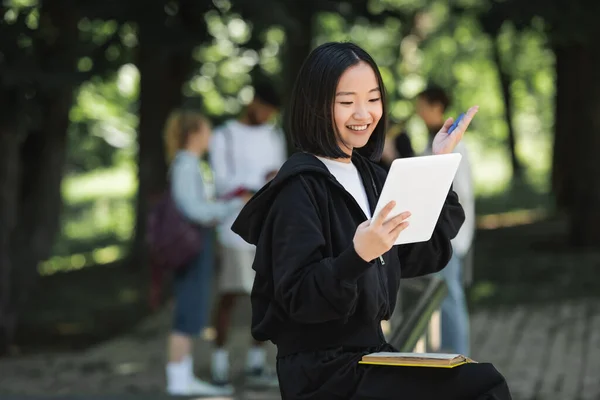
[361, 113]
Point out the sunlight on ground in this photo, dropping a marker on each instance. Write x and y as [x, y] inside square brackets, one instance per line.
[69, 328]
[482, 290]
[510, 218]
[114, 183]
[100, 256]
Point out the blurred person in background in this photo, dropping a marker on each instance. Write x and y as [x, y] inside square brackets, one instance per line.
[397, 145]
[187, 135]
[245, 153]
[431, 106]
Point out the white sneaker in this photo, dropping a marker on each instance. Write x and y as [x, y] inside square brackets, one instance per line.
[220, 368]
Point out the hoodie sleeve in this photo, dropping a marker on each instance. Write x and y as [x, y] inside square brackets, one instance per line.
[309, 287]
[424, 258]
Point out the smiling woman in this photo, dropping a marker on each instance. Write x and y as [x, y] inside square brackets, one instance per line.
[358, 108]
[327, 274]
[339, 104]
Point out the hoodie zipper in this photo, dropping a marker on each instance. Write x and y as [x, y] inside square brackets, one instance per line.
[381, 261]
[380, 258]
[381, 272]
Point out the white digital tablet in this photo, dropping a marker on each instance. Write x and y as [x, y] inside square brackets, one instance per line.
[419, 185]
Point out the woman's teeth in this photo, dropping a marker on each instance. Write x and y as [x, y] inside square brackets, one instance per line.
[358, 127]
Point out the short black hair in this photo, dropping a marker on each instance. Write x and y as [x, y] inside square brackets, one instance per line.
[264, 88]
[310, 113]
[267, 93]
[436, 94]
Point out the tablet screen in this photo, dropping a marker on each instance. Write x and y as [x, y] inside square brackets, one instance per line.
[419, 185]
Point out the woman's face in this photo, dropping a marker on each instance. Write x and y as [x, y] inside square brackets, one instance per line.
[259, 112]
[431, 113]
[357, 106]
[200, 139]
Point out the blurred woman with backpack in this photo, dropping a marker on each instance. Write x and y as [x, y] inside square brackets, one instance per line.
[187, 135]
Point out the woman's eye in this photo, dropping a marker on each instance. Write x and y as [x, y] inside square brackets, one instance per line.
[346, 103]
[375, 100]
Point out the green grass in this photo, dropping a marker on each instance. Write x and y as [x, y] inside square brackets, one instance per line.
[518, 195]
[115, 183]
[97, 220]
[98, 256]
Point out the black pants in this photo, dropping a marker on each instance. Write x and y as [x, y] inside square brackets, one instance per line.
[335, 374]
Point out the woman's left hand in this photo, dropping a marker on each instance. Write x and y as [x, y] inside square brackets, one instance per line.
[443, 142]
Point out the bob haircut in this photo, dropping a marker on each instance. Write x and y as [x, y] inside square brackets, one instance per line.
[310, 114]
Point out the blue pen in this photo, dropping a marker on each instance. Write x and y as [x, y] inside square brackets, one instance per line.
[455, 124]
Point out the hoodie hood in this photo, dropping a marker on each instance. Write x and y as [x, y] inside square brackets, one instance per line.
[250, 221]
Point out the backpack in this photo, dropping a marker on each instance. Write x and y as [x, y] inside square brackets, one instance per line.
[173, 240]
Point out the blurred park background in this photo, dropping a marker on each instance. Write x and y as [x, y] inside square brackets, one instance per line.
[85, 87]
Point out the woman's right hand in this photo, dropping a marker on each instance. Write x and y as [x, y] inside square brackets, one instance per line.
[376, 237]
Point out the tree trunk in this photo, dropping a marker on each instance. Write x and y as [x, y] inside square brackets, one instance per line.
[508, 110]
[31, 170]
[43, 157]
[568, 102]
[162, 75]
[165, 63]
[584, 142]
[9, 172]
[298, 46]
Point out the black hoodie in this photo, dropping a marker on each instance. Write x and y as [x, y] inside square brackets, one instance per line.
[312, 291]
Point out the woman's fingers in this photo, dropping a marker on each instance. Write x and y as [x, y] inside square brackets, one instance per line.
[447, 125]
[466, 121]
[398, 229]
[397, 220]
[380, 219]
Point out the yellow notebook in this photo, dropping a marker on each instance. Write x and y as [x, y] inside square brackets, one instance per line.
[432, 360]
